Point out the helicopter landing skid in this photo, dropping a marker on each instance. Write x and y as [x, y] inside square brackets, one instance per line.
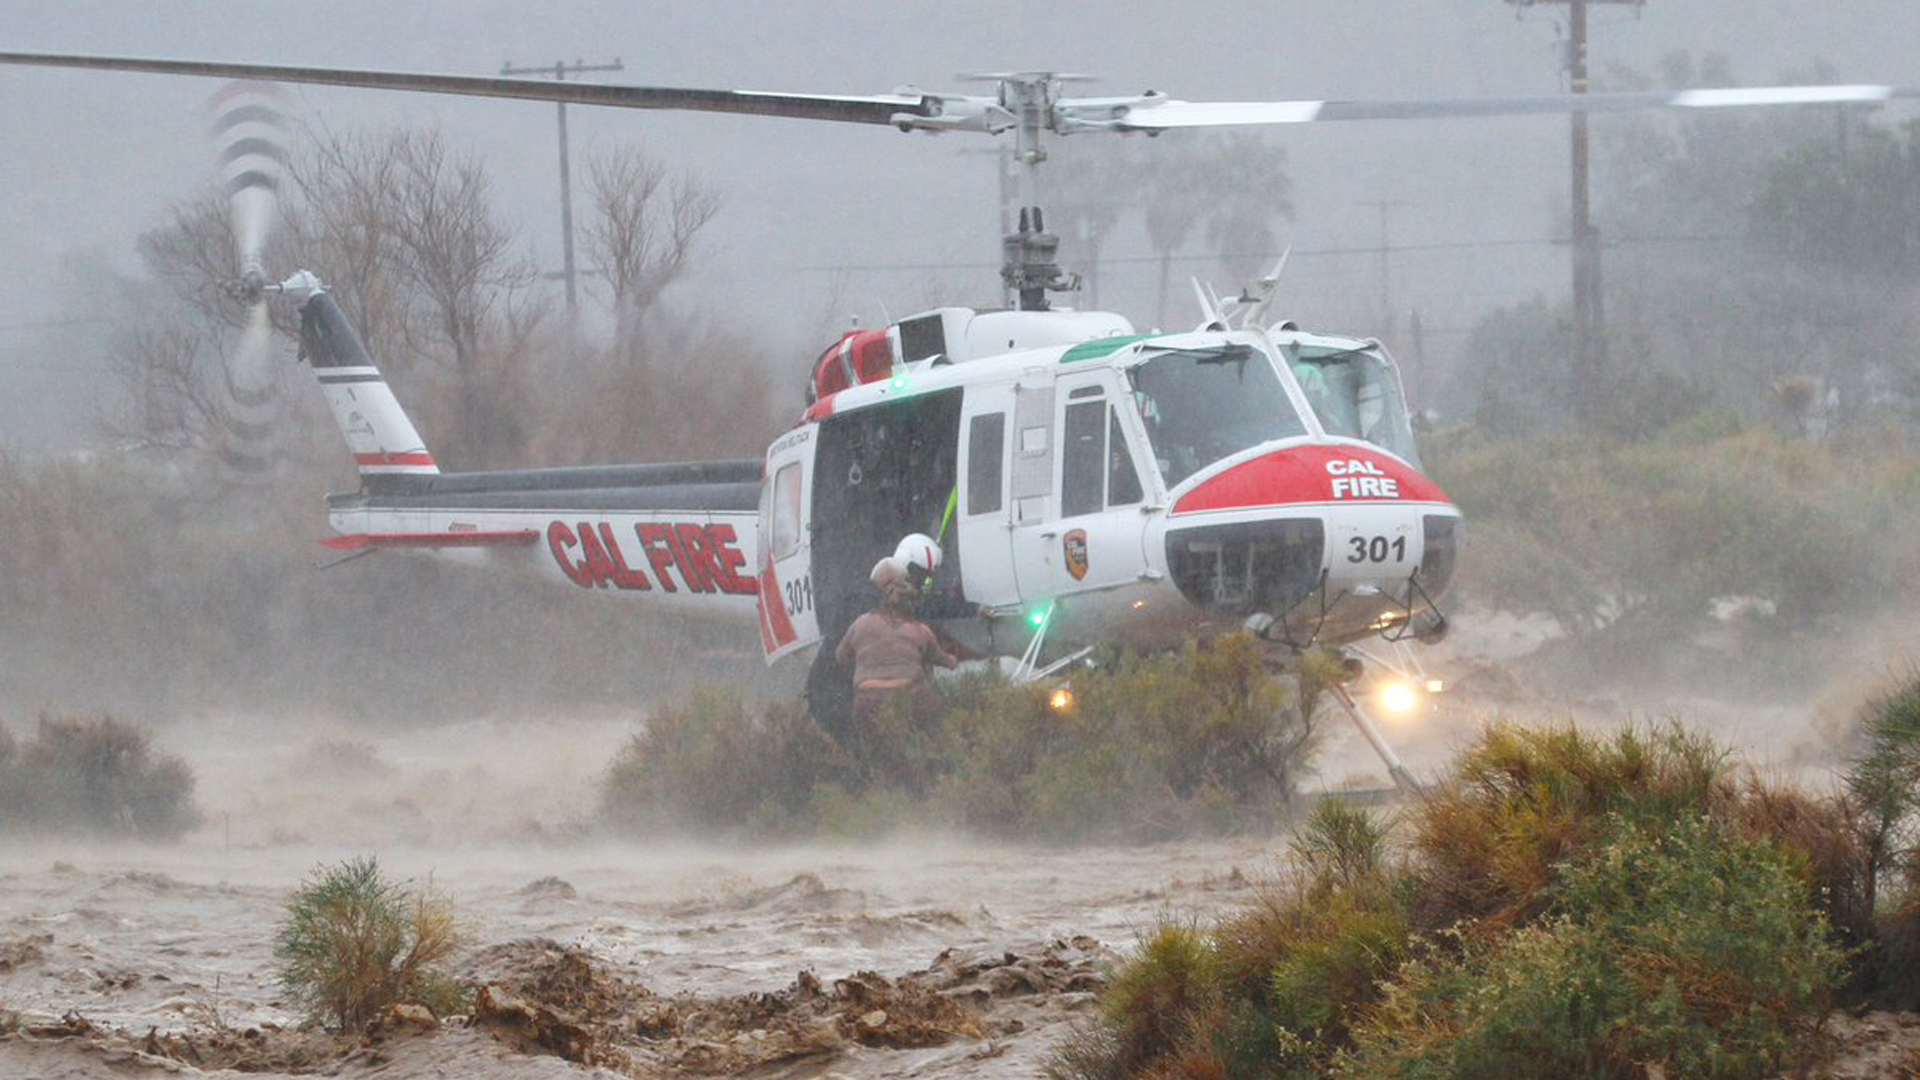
[1402, 779]
[1028, 669]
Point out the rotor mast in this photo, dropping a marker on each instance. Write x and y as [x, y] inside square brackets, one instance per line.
[1028, 268]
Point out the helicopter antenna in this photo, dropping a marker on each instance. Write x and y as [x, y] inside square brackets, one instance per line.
[1210, 316]
[1253, 302]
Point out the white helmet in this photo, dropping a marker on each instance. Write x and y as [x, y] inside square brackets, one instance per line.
[919, 556]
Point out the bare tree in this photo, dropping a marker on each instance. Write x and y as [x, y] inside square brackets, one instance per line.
[411, 244]
[643, 234]
[166, 402]
[471, 290]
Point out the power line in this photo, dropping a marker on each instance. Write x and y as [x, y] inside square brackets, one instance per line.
[56, 324]
[1455, 245]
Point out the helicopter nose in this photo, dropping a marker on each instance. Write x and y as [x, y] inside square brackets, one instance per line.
[1331, 475]
[1265, 533]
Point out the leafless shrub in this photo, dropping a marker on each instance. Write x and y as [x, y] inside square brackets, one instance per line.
[94, 775]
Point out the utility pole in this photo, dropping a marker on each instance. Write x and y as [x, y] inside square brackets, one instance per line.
[560, 70]
[1589, 312]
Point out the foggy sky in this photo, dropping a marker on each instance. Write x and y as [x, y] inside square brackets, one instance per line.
[89, 160]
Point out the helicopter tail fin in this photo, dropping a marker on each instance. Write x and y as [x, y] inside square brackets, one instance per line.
[382, 439]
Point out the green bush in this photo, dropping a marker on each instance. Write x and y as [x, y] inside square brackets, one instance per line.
[1153, 999]
[353, 944]
[1201, 740]
[1565, 905]
[1269, 992]
[82, 774]
[1689, 950]
[1522, 801]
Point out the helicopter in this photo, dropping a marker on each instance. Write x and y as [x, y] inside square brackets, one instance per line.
[1087, 480]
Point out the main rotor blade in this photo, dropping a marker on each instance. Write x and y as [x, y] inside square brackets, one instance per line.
[1169, 114]
[877, 109]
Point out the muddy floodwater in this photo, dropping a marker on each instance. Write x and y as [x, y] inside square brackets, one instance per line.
[127, 946]
[181, 939]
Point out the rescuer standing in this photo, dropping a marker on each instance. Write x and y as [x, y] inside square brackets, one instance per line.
[892, 652]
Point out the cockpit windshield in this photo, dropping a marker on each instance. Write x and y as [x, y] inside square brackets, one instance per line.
[1355, 393]
[1201, 405]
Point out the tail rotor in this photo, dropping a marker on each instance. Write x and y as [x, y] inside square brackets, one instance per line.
[249, 128]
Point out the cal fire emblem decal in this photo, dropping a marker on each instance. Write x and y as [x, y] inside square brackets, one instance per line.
[1074, 544]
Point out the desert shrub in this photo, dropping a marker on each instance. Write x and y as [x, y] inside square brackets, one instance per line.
[716, 765]
[1152, 1000]
[1202, 740]
[1269, 991]
[1691, 951]
[1564, 904]
[1521, 801]
[1822, 840]
[94, 775]
[1895, 975]
[353, 943]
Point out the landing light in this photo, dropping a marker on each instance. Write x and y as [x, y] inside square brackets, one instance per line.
[1398, 698]
[1435, 686]
[1060, 700]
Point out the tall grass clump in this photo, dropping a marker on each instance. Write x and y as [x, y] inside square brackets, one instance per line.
[97, 775]
[1563, 904]
[354, 943]
[1206, 739]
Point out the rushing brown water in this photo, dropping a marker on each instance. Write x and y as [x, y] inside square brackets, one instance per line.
[178, 940]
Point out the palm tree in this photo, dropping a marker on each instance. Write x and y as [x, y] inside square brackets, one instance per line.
[1234, 184]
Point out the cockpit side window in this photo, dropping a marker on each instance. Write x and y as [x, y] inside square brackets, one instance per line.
[1356, 395]
[1096, 466]
[1123, 481]
[986, 449]
[1083, 459]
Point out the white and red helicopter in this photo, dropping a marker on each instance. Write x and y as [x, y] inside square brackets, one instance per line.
[1087, 481]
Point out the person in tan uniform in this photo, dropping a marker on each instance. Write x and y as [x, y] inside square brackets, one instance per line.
[892, 652]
